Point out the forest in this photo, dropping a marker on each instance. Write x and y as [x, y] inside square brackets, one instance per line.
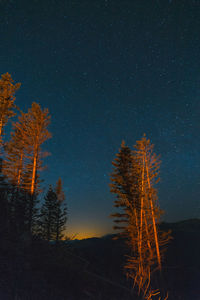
[145, 259]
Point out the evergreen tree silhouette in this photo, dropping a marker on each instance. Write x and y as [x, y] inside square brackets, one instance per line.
[53, 217]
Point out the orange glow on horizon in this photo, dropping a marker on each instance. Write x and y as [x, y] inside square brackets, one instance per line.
[85, 233]
[83, 236]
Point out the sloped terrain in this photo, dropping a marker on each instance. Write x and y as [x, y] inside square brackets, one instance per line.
[93, 268]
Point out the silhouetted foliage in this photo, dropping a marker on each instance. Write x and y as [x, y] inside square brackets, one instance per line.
[53, 216]
[61, 211]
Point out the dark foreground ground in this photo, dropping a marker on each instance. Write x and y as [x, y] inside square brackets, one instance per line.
[93, 268]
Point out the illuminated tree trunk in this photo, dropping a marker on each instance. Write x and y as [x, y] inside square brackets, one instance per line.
[153, 217]
[1, 125]
[148, 236]
[20, 170]
[32, 190]
[34, 173]
[141, 215]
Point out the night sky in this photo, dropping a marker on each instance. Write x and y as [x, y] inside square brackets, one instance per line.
[110, 71]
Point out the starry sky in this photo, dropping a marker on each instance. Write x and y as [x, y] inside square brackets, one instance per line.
[110, 70]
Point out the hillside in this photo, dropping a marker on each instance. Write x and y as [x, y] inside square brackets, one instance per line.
[93, 268]
[181, 267]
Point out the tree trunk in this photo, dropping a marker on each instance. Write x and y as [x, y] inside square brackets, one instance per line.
[19, 171]
[153, 219]
[34, 173]
[1, 126]
[141, 215]
[32, 189]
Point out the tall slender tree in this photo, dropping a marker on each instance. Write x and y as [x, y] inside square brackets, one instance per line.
[48, 215]
[141, 211]
[13, 165]
[33, 127]
[59, 191]
[35, 133]
[150, 165]
[7, 98]
[14, 168]
[61, 211]
[122, 180]
[24, 154]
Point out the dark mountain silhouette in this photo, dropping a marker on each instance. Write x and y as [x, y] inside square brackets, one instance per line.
[93, 268]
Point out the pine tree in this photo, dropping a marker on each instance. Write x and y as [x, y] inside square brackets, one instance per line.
[53, 216]
[33, 128]
[149, 163]
[133, 182]
[7, 98]
[59, 191]
[24, 155]
[123, 180]
[13, 165]
[7, 106]
[61, 211]
[47, 221]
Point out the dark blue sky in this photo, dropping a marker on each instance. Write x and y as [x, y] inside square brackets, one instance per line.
[107, 71]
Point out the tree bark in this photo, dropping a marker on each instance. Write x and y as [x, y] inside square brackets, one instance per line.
[153, 218]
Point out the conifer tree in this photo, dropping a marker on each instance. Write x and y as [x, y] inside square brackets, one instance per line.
[48, 215]
[7, 98]
[13, 165]
[61, 211]
[123, 181]
[53, 216]
[149, 163]
[33, 128]
[59, 191]
[24, 154]
[141, 211]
